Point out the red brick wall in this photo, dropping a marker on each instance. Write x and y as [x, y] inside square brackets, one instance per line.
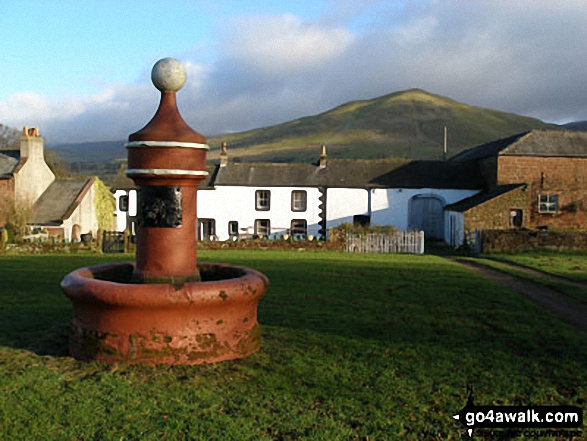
[6, 198]
[565, 177]
[495, 213]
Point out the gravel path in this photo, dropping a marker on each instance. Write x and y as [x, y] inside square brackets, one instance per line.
[557, 303]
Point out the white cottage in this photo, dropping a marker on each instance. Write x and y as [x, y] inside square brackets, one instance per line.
[274, 199]
[62, 207]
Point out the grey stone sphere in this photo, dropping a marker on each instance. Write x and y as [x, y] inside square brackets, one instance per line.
[168, 75]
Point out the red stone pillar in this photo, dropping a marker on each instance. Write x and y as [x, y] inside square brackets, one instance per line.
[167, 161]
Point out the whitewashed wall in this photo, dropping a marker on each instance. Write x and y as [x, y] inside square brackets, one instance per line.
[387, 207]
[84, 216]
[236, 203]
[390, 206]
[344, 203]
[35, 176]
[122, 216]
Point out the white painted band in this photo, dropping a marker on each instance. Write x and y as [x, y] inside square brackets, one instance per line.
[185, 145]
[165, 171]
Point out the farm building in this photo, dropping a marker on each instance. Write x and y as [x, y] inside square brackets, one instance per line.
[29, 189]
[534, 180]
[273, 199]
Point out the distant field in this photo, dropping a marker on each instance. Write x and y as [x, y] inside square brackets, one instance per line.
[355, 347]
[572, 265]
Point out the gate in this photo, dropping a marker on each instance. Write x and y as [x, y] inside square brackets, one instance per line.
[403, 242]
[113, 242]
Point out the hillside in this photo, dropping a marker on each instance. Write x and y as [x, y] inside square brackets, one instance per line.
[104, 151]
[406, 124]
[577, 126]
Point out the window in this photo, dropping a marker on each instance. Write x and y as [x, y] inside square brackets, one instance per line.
[207, 229]
[262, 227]
[262, 200]
[299, 199]
[299, 227]
[516, 218]
[233, 228]
[123, 203]
[547, 203]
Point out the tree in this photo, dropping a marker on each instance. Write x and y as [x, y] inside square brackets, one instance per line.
[9, 137]
[59, 167]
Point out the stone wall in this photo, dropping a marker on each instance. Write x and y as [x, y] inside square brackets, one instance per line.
[495, 213]
[564, 177]
[514, 241]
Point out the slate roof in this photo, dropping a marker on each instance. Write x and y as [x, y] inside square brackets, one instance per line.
[59, 200]
[9, 160]
[480, 198]
[535, 143]
[352, 173]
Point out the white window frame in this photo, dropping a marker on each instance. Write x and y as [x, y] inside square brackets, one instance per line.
[263, 200]
[123, 203]
[260, 229]
[233, 233]
[297, 232]
[211, 224]
[547, 203]
[299, 200]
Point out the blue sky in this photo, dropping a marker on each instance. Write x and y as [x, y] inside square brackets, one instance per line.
[80, 69]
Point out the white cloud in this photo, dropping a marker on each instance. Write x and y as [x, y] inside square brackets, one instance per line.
[284, 44]
[524, 56]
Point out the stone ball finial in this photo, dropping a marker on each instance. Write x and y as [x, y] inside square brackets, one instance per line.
[168, 75]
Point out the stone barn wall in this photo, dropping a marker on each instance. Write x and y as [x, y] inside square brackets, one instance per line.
[495, 213]
[565, 177]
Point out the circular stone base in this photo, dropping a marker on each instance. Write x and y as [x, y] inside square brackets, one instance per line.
[116, 320]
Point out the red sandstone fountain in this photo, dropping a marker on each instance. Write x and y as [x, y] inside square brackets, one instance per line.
[165, 309]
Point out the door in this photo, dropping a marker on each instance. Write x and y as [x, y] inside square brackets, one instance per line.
[427, 214]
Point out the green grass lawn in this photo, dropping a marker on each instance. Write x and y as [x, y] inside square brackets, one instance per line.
[354, 347]
[572, 265]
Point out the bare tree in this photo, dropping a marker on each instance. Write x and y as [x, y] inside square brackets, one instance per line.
[9, 137]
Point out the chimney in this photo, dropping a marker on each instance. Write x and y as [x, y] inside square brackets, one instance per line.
[223, 155]
[323, 156]
[31, 144]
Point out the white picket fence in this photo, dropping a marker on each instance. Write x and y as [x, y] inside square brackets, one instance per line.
[401, 242]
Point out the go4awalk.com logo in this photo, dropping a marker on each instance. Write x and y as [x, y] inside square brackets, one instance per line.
[520, 417]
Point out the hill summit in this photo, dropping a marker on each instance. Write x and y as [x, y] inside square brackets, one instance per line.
[408, 124]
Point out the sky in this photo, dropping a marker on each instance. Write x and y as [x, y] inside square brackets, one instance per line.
[80, 70]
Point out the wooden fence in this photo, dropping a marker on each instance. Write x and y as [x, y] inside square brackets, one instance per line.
[402, 242]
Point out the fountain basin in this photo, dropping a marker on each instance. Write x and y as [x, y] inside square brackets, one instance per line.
[116, 320]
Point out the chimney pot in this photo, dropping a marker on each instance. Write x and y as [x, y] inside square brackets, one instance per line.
[223, 155]
[323, 157]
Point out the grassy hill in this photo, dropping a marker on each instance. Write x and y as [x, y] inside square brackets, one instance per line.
[406, 124]
[104, 151]
[577, 126]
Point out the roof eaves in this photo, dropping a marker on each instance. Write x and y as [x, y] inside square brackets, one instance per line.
[78, 199]
[482, 197]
